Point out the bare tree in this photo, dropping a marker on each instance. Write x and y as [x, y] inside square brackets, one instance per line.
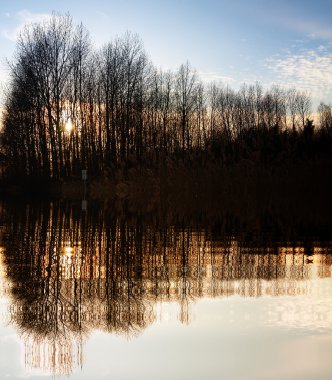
[185, 92]
[303, 104]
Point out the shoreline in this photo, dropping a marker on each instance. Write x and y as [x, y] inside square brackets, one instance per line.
[298, 198]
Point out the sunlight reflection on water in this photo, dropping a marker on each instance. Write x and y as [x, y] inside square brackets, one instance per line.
[123, 301]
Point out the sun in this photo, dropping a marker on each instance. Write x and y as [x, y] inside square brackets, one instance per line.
[67, 251]
[69, 126]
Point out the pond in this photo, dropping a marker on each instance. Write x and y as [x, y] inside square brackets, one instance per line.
[99, 295]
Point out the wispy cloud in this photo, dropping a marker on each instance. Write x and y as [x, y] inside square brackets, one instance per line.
[103, 15]
[289, 18]
[215, 77]
[309, 70]
[20, 19]
[309, 28]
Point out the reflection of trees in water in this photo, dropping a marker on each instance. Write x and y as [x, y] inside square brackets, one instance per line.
[56, 354]
[72, 273]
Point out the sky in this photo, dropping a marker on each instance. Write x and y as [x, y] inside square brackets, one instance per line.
[230, 41]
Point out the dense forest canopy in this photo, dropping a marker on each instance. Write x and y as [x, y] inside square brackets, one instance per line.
[71, 107]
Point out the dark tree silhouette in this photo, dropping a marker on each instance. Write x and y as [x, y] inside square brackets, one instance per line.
[70, 108]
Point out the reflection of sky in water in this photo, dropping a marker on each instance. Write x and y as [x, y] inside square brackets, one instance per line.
[234, 337]
[127, 306]
[229, 338]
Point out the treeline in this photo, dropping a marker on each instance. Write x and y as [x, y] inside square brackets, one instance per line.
[70, 107]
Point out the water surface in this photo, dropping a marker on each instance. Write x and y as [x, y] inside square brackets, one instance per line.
[96, 295]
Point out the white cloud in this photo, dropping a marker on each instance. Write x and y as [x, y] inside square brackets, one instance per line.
[310, 70]
[215, 77]
[21, 19]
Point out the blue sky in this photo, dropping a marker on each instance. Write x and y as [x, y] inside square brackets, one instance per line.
[232, 41]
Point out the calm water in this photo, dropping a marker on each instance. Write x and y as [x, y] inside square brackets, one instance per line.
[94, 296]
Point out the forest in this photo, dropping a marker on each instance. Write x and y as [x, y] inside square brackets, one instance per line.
[111, 112]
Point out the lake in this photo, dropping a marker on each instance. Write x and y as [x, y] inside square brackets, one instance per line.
[102, 294]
